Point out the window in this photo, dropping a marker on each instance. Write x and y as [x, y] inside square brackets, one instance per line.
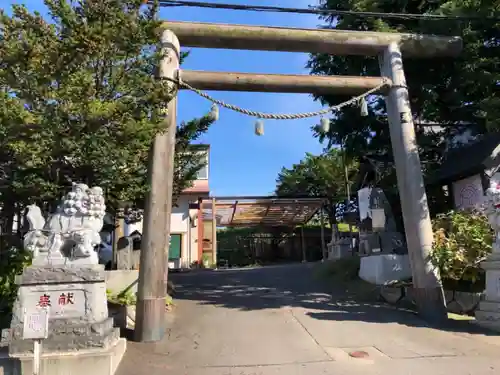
[203, 172]
[201, 156]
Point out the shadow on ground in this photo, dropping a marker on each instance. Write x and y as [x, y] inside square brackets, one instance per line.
[295, 285]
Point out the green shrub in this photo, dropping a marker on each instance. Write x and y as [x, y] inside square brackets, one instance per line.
[169, 302]
[129, 298]
[462, 239]
[12, 263]
[125, 298]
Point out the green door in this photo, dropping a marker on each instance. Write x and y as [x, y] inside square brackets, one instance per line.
[174, 251]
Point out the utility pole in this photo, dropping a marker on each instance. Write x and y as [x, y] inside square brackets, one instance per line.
[323, 246]
[348, 193]
[428, 292]
[151, 289]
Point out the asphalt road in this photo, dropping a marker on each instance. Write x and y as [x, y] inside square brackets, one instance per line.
[280, 320]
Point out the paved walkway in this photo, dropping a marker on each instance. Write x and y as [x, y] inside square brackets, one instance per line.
[279, 321]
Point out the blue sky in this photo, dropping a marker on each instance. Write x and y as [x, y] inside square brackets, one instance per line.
[241, 162]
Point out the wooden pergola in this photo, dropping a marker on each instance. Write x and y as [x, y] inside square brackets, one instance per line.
[258, 211]
[265, 211]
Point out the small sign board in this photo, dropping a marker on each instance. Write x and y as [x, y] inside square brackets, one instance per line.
[36, 324]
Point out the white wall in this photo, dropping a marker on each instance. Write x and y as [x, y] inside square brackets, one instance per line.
[180, 216]
[179, 225]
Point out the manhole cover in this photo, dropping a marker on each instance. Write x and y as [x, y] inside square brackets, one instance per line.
[359, 354]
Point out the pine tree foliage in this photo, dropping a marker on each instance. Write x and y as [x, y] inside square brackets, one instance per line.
[319, 176]
[455, 92]
[79, 101]
[450, 91]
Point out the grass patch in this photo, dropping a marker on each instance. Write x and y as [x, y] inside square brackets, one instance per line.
[342, 275]
[344, 227]
[453, 316]
[344, 269]
[253, 265]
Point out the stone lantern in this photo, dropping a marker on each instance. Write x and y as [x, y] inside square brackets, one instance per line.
[488, 313]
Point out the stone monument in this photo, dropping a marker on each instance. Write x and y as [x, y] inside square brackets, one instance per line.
[66, 279]
[488, 314]
[384, 257]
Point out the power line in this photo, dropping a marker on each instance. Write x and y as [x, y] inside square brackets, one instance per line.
[323, 12]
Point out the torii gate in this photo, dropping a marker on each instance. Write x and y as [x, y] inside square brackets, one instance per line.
[389, 47]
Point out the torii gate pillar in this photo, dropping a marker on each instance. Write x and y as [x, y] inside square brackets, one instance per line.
[426, 283]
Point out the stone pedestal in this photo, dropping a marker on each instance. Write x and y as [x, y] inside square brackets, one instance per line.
[75, 297]
[384, 268]
[488, 313]
[81, 362]
[339, 249]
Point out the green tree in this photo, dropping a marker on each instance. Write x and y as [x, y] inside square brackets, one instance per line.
[79, 102]
[447, 90]
[462, 240]
[455, 92]
[318, 176]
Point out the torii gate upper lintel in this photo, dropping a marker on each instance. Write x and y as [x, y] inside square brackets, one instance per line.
[331, 41]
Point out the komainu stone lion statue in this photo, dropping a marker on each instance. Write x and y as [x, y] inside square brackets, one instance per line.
[71, 234]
